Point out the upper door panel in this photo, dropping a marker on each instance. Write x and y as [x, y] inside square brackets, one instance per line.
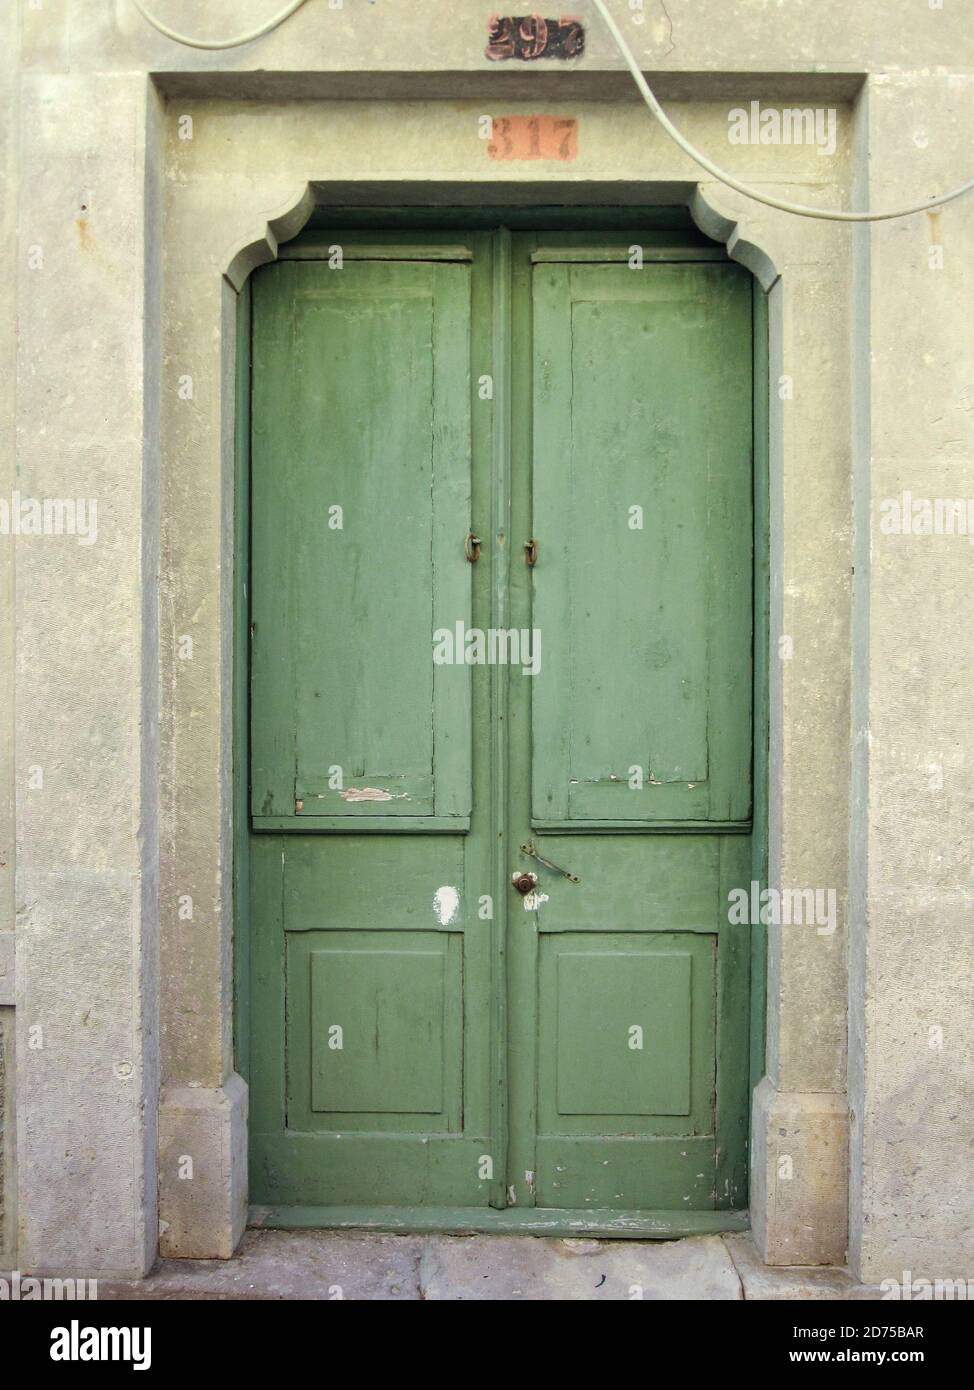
[361, 499]
[642, 506]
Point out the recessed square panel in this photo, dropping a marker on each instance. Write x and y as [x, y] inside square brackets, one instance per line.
[376, 1040]
[623, 1024]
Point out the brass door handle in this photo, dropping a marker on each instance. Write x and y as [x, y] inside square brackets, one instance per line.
[471, 547]
[531, 552]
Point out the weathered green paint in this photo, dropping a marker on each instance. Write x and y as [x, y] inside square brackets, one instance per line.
[361, 412]
[241, 684]
[345, 934]
[606, 1225]
[498, 507]
[587, 1059]
[642, 475]
[762, 595]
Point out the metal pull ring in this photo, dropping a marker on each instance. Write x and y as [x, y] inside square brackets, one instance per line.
[471, 547]
[531, 552]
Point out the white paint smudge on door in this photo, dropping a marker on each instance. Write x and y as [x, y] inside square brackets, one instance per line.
[446, 905]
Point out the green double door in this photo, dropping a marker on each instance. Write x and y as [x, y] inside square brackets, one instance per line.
[501, 620]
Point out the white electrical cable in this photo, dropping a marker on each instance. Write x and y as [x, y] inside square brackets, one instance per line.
[781, 204]
[286, 13]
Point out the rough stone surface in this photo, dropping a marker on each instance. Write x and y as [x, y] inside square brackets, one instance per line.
[383, 38]
[8, 1184]
[137, 229]
[911, 988]
[321, 1265]
[517, 1267]
[799, 1150]
[86, 854]
[761, 1282]
[325, 1265]
[202, 1170]
[7, 968]
[9, 259]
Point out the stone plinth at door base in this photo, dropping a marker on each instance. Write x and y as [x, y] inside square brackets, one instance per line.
[202, 1170]
[8, 1171]
[799, 1176]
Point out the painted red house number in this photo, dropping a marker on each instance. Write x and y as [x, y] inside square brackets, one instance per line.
[534, 137]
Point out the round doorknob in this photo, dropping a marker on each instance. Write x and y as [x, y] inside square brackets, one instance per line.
[525, 883]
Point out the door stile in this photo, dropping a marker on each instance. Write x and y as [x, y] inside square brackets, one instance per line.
[523, 944]
[500, 551]
[732, 1007]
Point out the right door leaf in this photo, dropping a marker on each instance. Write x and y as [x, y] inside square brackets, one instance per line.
[642, 505]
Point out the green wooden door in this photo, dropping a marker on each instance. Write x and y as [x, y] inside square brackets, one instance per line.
[424, 1040]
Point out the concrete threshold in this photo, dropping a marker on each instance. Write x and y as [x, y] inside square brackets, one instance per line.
[331, 1265]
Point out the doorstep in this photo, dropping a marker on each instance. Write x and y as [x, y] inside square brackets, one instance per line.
[328, 1265]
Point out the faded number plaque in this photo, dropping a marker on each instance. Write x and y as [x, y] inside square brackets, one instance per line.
[528, 37]
[534, 137]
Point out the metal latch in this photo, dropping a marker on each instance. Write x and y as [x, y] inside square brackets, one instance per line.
[530, 850]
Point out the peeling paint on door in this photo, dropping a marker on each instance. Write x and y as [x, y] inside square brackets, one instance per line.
[370, 794]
